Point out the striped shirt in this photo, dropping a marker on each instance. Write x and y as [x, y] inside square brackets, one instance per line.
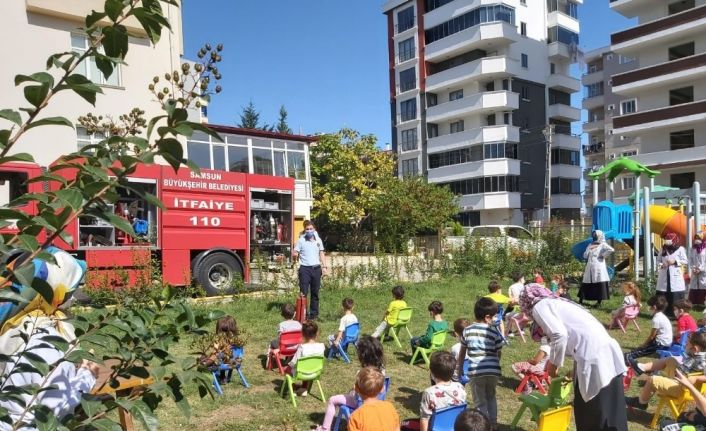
[483, 343]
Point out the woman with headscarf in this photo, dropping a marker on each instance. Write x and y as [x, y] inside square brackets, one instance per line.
[24, 326]
[670, 278]
[599, 400]
[697, 262]
[596, 282]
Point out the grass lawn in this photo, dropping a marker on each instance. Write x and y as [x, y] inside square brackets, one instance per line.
[261, 408]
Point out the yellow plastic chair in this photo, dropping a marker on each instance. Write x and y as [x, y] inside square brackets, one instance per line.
[555, 420]
[557, 396]
[309, 369]
[676, 405]
[403, 318]
[437, 343]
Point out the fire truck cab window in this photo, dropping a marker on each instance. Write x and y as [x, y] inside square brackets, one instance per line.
[12, 186]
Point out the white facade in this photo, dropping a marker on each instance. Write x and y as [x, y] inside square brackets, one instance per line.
[35, 29]
[474, 83]
[668, 88]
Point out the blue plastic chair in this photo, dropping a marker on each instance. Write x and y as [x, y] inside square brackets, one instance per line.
[443, 420]
[676, 349]
[237, 352]
[345, 412]
[350, 337]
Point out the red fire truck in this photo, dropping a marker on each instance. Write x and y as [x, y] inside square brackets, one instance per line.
[214, 224]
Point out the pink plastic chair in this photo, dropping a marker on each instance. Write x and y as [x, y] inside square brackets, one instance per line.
[519, 320]
[629, 313]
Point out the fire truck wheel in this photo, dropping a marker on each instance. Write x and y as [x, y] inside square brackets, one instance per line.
[219, 273]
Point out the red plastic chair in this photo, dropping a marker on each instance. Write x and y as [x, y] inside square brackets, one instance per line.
[537, 380]
[629, 314]
[519, 320]
[288, 344]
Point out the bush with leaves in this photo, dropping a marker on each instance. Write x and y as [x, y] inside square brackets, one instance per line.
[136, 339]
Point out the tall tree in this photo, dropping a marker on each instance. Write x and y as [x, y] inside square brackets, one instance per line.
[250, 117]
[346, 170]
[282, 126]
[410, 206]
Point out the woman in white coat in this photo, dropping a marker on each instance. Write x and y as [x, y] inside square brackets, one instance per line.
[598, 359]
[670, 278]
[697, 262]
[596, 282]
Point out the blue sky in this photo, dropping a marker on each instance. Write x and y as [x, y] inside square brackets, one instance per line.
[325, 60]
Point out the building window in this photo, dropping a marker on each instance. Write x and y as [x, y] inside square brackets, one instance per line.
[456, 126]
[490, 120]
[680, 6]
[681, 51]
[566, 186]
[409, 167]
[681, 95]
[83, 138]
[472, 186]
[523, 2]
[563, 35]
[562, 156]
[523, 28]
[500, 150]
[430, 5]
[470, 19]
[405, 19]
[629, 153]
[408, 110]
[88, 67]
[628, 183]
[432, 130]
[468, 218]
[628, 107]
[566, 7]
[681, 140]
[406, 50]
[684, 180]
[455, 95]
[408, 139]
[525, 61]
[507, 119]
[552, 68]
[624, 59]
[506, 84]
[475, 153]
[559, 97]
[593, 90]
[432, 99]
[524, 93]
[408, 80]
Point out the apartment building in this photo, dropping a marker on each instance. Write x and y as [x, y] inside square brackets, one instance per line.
[473, 86]
[602, 104]
[32, 30]
[665, 97]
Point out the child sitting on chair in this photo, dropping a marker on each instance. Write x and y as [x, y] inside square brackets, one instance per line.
[537, 364]
[221, 350]
[436, 324]
[503, 302]
[693, 361]
[459, 326]
[685, 321]
[393, 309]
[631, 297]
[288, 325]
[374, 414]
[472, 420]
[347, 319]
[370, 354]
[661, 335]
[441, 394]
[308, 347]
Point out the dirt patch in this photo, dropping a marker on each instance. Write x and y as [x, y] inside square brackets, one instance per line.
[226, 414]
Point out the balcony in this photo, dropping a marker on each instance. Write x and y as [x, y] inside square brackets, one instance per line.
[391, 4]
[566, 201]
[481, 168]
[567, 141]
[474, 104]
[673, 158]
[488, 36]
[595, 125]
[592, 77]
[558, 18]
[598, 148]
[563, 112]
[632, 8]
[563, 83]
[593, 102]
[558, 51]
[489, 201]
[473, 136]
[660, 31]
[566, 171]
[482, 69]
[660, 75]
[668, 117]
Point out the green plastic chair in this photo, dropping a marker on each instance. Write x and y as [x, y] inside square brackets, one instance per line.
[309, 369]
[558, 396]
[403, 318]
[437, 343]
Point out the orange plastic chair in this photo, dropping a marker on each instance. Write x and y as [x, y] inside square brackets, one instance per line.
[288, 344]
